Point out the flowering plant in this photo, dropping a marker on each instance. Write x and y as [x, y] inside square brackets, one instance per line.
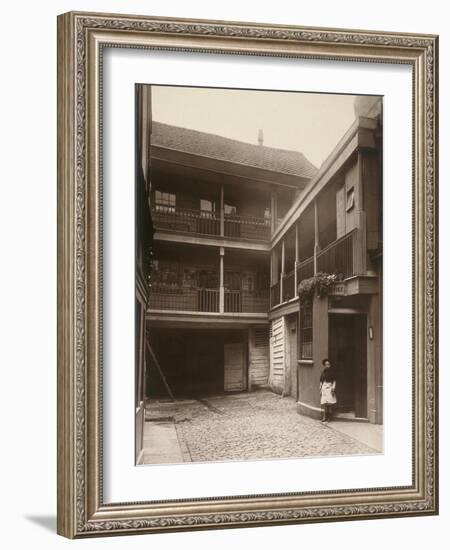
[319, 285]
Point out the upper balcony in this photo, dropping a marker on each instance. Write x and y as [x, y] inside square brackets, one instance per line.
[338, 258]
[199, 212]
[208, 189]
[213, 224]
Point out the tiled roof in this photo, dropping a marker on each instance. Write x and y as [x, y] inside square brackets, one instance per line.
[221, 148]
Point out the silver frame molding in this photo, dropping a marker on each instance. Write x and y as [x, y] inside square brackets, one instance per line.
[81, 37]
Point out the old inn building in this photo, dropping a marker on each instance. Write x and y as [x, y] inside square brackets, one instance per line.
[237, 228]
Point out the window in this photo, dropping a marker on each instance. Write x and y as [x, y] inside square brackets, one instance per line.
[306, 332]
[262, 281]
[229, 209]
[167, 274]
[207, 208]
[165, 202]
[350, 199]
[233, 280]
[207, 278]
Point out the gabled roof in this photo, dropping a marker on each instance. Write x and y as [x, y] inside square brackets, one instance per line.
[230, 150]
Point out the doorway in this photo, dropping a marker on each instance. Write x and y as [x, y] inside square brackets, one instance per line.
[347, 349]
[234, 367]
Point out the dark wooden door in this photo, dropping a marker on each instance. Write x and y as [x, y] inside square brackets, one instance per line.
[234, 367]
[347, 350]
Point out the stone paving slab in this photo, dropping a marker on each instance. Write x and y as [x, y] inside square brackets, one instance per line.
[161, 444]
[369, 434]
[259, 425]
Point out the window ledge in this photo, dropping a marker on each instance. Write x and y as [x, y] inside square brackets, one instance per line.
[306, 362]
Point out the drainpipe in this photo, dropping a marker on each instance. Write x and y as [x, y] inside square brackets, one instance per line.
[221, 282]
[316, 236]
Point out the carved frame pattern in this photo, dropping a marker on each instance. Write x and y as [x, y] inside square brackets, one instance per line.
[81, 511]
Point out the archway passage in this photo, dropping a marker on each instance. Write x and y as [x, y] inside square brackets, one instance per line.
[197, 363]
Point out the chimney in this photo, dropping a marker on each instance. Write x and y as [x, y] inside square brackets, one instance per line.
[260, 136]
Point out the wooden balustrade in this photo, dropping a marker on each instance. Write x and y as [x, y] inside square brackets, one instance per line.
[175, 298]
[256, 301]
[289, 286]
[337, 257]
[188, 221]
[208, 299]
[233, 301]
[247, 227]
[305, 270]
[275, 294]
[208, 223]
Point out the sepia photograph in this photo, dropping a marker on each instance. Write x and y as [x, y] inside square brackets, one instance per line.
[259, 279]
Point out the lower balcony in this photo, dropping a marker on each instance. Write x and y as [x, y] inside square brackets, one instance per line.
[207, 300]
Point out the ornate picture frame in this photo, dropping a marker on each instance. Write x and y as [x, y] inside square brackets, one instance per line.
[82, 40]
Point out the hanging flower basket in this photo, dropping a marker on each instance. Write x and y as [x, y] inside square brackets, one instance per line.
[318, 285]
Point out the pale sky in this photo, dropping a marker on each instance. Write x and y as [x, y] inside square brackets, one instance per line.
[306, 122]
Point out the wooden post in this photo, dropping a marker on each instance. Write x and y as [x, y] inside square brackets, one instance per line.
[221, 282]
[275, 276]
[271, 268]
[273, 209]
[360, 236]
[316, 235]
[249, 352]
[296, 261]
[282, 270]
[222, 211]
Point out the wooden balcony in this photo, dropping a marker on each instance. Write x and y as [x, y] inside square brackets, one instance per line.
[289, 286]
[196, 222]
[337, 257]
[242, 301]
[186, 221]
[207, 300]
[305, 269]
[175, 298]
[275, 294]
[247, 227]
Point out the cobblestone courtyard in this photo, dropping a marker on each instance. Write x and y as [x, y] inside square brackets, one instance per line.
[243, 426]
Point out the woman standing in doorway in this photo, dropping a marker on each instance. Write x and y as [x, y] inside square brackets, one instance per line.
[327, 390]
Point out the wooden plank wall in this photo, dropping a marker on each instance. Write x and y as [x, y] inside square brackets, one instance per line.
[259, 365]
[277, 355]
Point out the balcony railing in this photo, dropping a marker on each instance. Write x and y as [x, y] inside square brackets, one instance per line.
[337, 257]
[187, 221]
[176, 298]
[247, 227]
[184, 299]
[208, 223]
[256, 301]
[208, 299]
[288, 286]
[243, 301]
[305, 270]
[232, 301]
[275, 294]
